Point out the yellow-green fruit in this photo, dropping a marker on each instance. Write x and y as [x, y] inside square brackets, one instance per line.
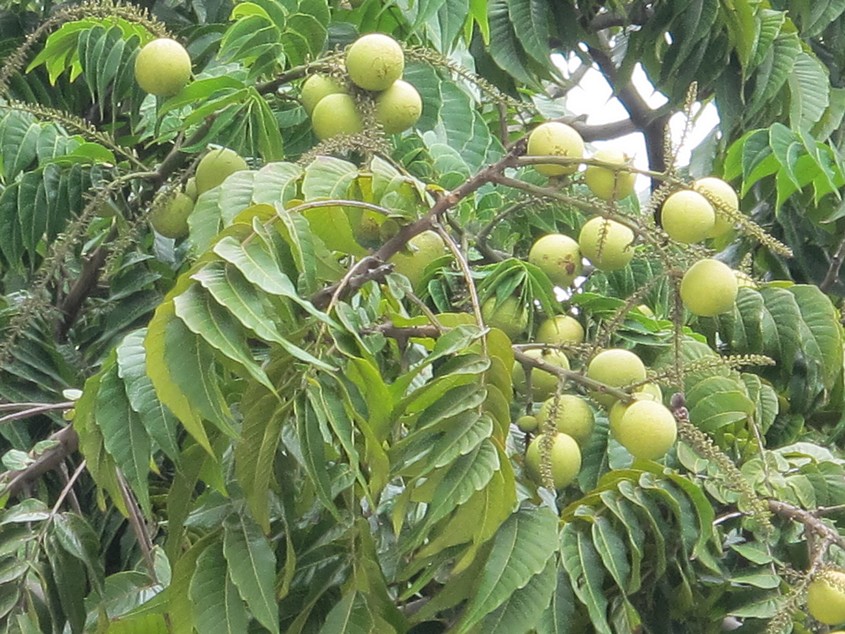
[191, 188]
[648, 392]
[527, 423]
[608, 244]
[315, 88]
[336, 114]
[687, 217]
[555, 139]
[564, 459]
[424, 248]
[616, 368]
[163, 67]
[647, 430]
[709, 288]
[606, 183]
[574, 416]
[560, 329]
[171, 219]
[375, 61]
[543, 384]
[509, 315]
[826, 597]
[720, 195]
[399, 107]
[217, 166]
[558, 256]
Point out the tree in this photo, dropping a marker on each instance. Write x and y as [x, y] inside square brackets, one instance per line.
[297, 418]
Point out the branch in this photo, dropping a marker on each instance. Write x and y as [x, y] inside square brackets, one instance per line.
[12, 483]
[834, 268]
[812, 524]
[427, 222]
[637, 17]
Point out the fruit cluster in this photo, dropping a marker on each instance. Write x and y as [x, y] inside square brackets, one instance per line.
[171, 218]
[374, 63]
[640, 423]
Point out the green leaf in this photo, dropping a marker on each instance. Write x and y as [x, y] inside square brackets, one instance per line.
[217, 607]
[530, 19]
[208, 319]
[586, 573]
[252, 568]
[524, 608]
[612, 550]
[809, 84]
[521, 549]
[350, 616]
[313, 456]
[156, 419]
[124, 435]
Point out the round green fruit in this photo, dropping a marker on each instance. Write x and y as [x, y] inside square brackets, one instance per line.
[171, 218]
[648, 392]
[564, 459]
[558, 256]
[647, 429]
[687, 217]
[336, 114]
[191, 188]
[315, 88]
[216, 166]
[617, 368]
[399, 107]
[560, 329]
[721, 196]
[543, 383]
[423, 249]
[509, 315]
[574, 416]
[606, 183]
[527, 423]
[709, 288]
[826, 597]
[375, 61]
[163, 67]
[608, 244]
[555, 139]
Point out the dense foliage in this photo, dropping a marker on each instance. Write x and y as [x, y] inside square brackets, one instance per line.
[285, 422]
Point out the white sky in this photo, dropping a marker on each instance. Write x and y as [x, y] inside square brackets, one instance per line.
[593, 97]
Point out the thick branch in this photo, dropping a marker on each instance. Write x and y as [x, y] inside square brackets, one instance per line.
[13, 482]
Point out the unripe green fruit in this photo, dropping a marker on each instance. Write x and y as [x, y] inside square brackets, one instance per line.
[191, 188]
[826, 597]
[543, 384]
[163, 67]
[709, 288]
[564, 459]
[375, 61]
[509, 315]
[558, 256]
[560, 329]
[399, 107]
[574, 416]
[424, 248]
[216, 166]
[336, 114]
[555, 139]
[527, 423]
[171, 219]
[608, 184]
[687, 217]
[315, 88]
[648, 392]
[647, 430]
[616, 368]
[718, 191]
[606, 243]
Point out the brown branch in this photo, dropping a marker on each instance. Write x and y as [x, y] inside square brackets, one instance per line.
[812, 524]
[12, 483]
[834, 268]
[443, 204]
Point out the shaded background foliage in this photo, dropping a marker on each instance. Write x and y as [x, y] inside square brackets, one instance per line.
[247, 455]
